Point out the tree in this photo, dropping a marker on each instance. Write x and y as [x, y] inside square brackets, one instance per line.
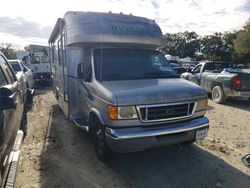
[242, 43]
[8, 50]
[228, 51]
[212, 46]
[181, 44]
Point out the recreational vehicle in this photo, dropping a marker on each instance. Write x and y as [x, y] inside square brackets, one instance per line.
[37, 59]
[110, 79]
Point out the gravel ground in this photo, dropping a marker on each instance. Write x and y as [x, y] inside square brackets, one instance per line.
[55, 153]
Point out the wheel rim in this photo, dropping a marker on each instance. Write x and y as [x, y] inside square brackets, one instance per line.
[216, 94]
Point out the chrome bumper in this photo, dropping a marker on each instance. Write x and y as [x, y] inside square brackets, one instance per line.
[137, 138]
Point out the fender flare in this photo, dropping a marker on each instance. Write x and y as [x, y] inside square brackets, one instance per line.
[98, 114]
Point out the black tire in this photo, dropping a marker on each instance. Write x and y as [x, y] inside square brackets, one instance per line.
[218, 94]
[24, 122]
[29, 99]
[103, 151]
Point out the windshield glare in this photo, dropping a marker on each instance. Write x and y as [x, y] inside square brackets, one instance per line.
[131, 64]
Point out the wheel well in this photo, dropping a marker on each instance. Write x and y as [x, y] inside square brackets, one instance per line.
[92, 115]
[216, 84]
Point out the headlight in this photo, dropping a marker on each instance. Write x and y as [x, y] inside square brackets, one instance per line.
[122, 112]
[201, 105]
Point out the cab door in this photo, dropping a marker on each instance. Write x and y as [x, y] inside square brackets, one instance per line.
[85, 91]
[10, 119]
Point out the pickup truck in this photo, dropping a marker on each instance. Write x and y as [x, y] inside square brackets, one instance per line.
[220, 79]
[25, 77]
[13, 119]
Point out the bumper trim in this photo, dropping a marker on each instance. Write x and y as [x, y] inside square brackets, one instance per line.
[244, 94]
[130, 133]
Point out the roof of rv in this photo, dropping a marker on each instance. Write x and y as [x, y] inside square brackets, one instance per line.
[88, 28]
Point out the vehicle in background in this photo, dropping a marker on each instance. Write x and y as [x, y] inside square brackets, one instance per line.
[177, 67]
[12, 118]
[189, 65]
[24, 74]
[109, 78]
[221, 79]
[38, 61]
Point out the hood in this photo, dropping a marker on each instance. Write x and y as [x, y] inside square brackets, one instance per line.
[142, 92]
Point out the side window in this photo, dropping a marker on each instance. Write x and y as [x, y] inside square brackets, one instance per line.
[59, 52]
[2, 78]
[197, 69]
[87, 66]
[7, 70]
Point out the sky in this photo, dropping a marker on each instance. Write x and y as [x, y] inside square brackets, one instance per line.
[24, 22]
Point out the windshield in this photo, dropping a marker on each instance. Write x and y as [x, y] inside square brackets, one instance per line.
[131, 64]
[16, 67]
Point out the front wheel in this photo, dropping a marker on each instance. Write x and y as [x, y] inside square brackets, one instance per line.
[218, 95]
[102, 149]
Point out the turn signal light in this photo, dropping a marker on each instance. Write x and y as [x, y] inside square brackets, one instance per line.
[113, 112]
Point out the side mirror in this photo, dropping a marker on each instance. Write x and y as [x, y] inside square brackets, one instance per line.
[25, 69]
[80, 71]
[189, 70]
[7, 100]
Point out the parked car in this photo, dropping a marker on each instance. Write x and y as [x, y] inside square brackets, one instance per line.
[119, 88]
[12, 118]
[24, 74]
[188, 65]
[223, 80]
[177, 67]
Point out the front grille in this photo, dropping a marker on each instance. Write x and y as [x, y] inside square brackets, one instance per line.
[166, 112]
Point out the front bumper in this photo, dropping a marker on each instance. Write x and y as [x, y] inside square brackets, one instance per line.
[42, 77]
[136, 139]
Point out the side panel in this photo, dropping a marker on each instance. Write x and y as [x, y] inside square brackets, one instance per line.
[59, 71]
[74, 57]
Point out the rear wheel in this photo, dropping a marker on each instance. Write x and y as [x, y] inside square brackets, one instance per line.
[218, 95]
[102, 149]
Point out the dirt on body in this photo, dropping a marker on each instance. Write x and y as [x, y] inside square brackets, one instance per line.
[56, 153]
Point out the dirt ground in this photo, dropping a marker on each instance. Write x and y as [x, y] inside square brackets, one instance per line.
[56, 153]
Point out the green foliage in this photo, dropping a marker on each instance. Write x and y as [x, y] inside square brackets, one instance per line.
[228, 46]
[242, 44]
[8, 50]
[181, 44]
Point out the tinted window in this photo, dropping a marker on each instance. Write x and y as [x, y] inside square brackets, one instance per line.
[197, 69]
[130, 64]
[217, 66]
[87, 65]
[45, 59]
[16, 67]
[6, 68]
[2, 78]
